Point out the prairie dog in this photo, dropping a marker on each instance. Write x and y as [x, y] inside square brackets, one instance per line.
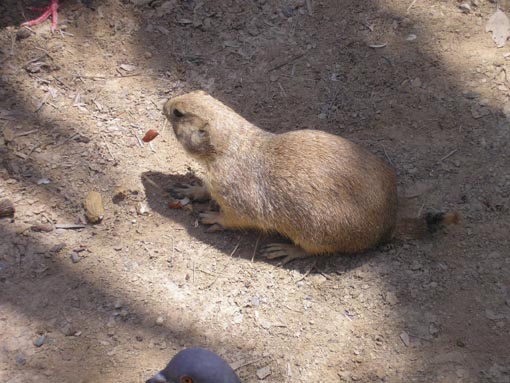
[322, 191]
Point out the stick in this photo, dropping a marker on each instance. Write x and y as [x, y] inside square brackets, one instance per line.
[69, 226]
[411, 5]
[215, 279]
[448, 155]
[153, 183]
[308, 271]
[237, 246]
[27, 133]
[235, 366]
[388, 157]
[109, 150]
[138, 139]
[292, 59]
[68, 139]
[256, 248]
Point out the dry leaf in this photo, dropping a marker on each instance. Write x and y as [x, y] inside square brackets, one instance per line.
[499, 25]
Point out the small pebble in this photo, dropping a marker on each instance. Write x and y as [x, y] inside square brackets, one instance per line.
[264, 372]
[75, 258]
[466, 8]
[159, 321]
[405, 338]
[67, 329]
[57, 248]
[433, 329]
[124, 313]
[40, 341]
[21, 359]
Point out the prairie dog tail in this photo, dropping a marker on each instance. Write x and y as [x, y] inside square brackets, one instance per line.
[413, 228]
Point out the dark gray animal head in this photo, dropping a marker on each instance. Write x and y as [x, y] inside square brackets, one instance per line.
[196, 365]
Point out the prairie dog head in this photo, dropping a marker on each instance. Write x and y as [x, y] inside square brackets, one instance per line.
[191, 123]
[203, 125]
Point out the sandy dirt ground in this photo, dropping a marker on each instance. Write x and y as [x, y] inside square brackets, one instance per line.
[419, 83]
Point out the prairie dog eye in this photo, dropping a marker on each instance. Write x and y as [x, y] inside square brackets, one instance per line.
[186, 379]
[202, 132]
[178, 113]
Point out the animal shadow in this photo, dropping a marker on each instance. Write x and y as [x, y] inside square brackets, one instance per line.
[160, 193]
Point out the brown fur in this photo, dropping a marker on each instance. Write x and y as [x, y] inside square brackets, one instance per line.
[323, 192]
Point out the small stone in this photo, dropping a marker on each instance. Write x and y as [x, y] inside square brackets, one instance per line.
[415, 266]
[433, 329]
[22, 34]
[405, 338]
[160, 320]
[21, 359]
[265, 324]
[491, 315]
[75, 258]
[238, 319]
[67, 329]
[318, 279]
[416, 82]
[264, 372]
[142, 208]
[391, 298]
[466, 8]
[111, 322]
[40, 341]
[118, 304]
[139, 338]
[55, 249]
[124, 313]
[479, 111]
